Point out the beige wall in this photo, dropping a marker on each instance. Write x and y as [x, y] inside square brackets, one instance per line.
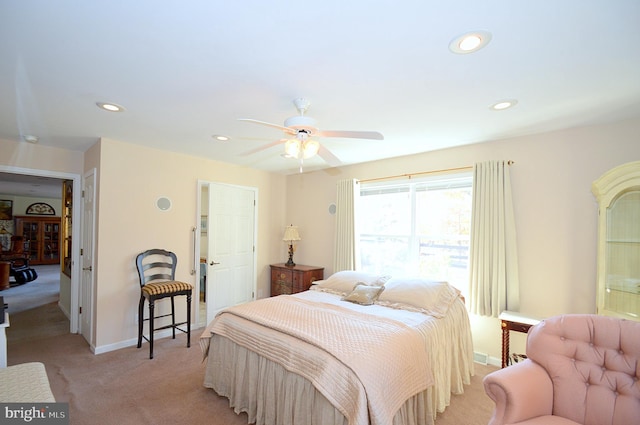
[25, 155]
[131, 178]
[21, 203]
[554, 207]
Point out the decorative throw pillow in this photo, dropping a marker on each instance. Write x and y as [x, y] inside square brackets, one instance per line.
[364, 294]
[343, 282]
[421, 295]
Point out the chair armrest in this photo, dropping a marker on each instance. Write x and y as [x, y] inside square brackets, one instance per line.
[520, 392]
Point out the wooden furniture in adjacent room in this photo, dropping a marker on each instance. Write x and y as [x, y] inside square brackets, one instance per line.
[5, 269]
[41, 238]
[618, 280]
[512, 321]
[290, 280]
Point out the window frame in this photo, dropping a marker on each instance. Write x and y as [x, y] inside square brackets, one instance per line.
[462, 180]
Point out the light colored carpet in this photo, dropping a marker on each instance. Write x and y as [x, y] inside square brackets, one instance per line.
[44, 290]
[43, 321]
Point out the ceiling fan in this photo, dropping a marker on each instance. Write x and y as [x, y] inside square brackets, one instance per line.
[303, 128]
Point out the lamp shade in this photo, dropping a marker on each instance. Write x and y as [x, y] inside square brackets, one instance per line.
[292, 148]
[291, 234]
[310, 148]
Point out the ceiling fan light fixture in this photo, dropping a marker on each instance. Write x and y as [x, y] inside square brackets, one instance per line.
[310, 148]
[292, 148]
[470, 42]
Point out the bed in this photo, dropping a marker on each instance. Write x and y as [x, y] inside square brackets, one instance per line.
[355, 349]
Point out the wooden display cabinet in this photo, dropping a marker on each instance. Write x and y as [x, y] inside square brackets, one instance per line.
[290, 280]
[41, 237]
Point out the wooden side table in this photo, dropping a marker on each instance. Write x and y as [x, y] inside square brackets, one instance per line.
[290, 280]
[512, 321]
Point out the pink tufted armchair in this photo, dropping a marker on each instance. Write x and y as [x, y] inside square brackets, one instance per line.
[581, 369]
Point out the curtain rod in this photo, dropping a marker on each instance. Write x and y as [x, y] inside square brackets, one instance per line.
[420, 173]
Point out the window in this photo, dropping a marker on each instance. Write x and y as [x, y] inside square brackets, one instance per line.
[419, 227]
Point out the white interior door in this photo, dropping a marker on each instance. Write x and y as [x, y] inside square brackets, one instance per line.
[88, 229]
[231, 250]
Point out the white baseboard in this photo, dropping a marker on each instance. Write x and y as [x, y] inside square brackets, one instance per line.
[131, 342]
[134, 341]
[494, 361]
[64, 310]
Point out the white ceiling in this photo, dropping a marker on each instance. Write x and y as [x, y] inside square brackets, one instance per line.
[30, 186]
[188, 70]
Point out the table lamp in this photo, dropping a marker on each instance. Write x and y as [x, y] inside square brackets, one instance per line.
[291, 235]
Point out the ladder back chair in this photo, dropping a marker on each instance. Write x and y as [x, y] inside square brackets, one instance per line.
[157, 272]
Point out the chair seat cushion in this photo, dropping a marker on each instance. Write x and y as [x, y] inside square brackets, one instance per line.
[165, 288]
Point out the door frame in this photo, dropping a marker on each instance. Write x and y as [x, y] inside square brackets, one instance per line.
[197, 239]
[86, 287]
[74, 307]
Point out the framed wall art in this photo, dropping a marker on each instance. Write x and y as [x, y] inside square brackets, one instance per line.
[40, 208]
[6, 209]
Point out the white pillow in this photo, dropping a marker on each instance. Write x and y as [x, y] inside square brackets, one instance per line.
[343, 282]
[421, 295]
[363, 294]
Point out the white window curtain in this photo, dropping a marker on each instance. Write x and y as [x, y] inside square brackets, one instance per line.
[494, 285]
[345, 252]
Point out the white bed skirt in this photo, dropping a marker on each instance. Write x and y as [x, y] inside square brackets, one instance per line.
[271, 395]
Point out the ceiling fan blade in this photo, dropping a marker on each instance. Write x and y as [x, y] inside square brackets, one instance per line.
[263, 147]
[373, 135]
[328, 157]
[268, 124]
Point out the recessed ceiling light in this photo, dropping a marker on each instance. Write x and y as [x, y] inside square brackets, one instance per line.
[470, 42]
[111, 107]
[31, 139]
[221, 138]
[504, 104]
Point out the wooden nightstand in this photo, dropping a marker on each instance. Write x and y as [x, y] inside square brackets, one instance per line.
[289, 280]
[512, 321]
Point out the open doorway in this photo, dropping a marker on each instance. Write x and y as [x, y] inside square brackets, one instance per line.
[225, 247]
[29, 186]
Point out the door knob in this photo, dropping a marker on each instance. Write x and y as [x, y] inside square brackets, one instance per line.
[87, 268]
[213, 263]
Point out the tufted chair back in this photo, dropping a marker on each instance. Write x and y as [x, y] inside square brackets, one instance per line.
[594, 365]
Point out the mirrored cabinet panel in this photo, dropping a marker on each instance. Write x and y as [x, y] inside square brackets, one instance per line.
[618, 279]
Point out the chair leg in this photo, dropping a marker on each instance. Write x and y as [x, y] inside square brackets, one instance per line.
[173, 317]
[140, 320]
[151, 317]
[189, 319]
